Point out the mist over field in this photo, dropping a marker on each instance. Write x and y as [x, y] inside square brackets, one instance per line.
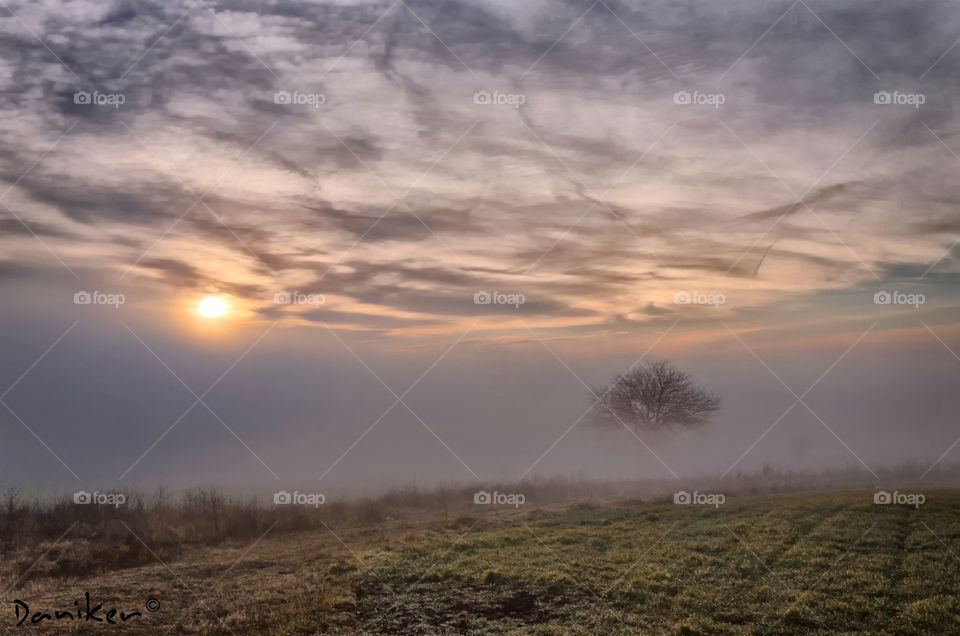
[498, 407]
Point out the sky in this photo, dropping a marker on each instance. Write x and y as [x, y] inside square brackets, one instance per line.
[436, 225]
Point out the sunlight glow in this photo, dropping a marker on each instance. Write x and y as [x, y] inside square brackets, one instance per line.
[212, 307]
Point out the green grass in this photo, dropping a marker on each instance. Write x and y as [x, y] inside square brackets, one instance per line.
[791, 564]
[764, 564]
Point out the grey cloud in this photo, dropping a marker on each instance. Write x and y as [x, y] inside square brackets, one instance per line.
[183, 275]
[373, 323]
[806, 203]
[200, 81]
[452, 293]
[11, 226]
[144, 204]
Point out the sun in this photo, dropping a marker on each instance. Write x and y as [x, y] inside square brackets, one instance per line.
[211, 307]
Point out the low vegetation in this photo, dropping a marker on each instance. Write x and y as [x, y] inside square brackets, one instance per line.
[791, 564]
[592, 561]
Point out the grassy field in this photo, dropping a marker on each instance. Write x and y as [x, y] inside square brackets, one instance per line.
[777, 564]
[782, 565]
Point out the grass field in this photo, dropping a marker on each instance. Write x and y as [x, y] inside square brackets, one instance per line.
[783, 564]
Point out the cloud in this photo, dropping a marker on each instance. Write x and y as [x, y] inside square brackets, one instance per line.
[599, 193]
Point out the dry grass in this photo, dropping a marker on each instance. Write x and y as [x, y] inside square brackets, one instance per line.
[433, 562]
[54, 537]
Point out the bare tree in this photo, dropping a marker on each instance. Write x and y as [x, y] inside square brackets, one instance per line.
[654, 396]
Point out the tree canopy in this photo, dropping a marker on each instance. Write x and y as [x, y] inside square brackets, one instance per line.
[654, 396]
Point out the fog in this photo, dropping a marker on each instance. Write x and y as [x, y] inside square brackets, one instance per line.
[305, 406]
